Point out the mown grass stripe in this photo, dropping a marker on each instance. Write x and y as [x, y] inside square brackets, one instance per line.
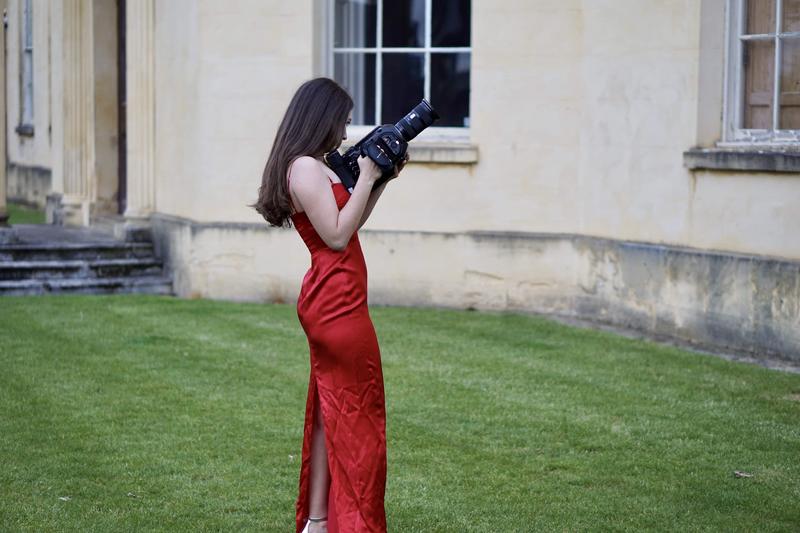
[158, 414]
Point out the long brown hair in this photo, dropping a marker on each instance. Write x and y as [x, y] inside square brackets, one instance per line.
[313, 125]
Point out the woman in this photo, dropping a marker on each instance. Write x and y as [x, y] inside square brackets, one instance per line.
[343, 468]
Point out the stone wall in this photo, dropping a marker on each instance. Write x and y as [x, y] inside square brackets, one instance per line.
[30, 147]
[28, 184]
[580, 115]
[726, 301]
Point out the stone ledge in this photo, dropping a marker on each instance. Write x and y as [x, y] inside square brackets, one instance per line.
[8, 235]
[459, 153]
[764, 160]
[507, 237]
[737, 303]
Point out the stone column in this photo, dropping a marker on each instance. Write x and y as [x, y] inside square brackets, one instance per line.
[78, 112]
[140, 107]
[3, 204]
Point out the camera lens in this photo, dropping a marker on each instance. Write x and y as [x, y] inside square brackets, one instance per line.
[419, 118]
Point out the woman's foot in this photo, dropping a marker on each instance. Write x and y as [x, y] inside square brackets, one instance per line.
[316, 525]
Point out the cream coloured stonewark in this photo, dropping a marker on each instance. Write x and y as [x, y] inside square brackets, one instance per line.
[580, 112]
[36, 150]
[177, 119]
[639, 113]
[77, 95]
[225, 73]
[141, 107]
[733, 211]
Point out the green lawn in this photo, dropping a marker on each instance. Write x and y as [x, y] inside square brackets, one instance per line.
[20, 214]
[135, 413]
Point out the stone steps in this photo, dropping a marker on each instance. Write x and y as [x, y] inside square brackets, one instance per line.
[97, 268]
[143, 285]
[56, 260]
[69, 250]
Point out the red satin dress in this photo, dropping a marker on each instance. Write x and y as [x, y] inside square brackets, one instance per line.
[346, 374]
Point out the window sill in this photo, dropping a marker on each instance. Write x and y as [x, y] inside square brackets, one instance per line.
[456, 153]
[24, 130]
[753, 159]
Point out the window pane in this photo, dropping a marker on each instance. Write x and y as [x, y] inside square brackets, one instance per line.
[759, 63]
[760, 16]
[354, 24]
[790, 85]
[451, 23]
[356, 73]
[450, 88]
[404, 23]
[403, 85]
[791, 15]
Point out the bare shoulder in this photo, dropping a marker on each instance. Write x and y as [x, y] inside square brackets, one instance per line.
[308, 179]
[305, 167]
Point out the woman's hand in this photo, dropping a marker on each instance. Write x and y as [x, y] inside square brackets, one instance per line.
[398, 168]
[368, 170]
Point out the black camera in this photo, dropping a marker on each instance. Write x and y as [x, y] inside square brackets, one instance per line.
[386, 145]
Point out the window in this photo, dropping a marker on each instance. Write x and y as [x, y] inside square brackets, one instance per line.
[26, 70]
[390, 54]
[762, 103]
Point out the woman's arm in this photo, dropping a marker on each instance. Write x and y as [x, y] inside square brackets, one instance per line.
[373, 199]
[313, 192]
[375, 194]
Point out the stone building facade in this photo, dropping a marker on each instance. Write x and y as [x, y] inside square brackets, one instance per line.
[623, 162]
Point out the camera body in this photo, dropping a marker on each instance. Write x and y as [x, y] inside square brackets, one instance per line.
[386, 145]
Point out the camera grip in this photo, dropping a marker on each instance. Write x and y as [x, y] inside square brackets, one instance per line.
[342, 166]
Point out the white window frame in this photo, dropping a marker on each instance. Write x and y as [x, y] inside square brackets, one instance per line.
[355, 132]
[733, 102]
